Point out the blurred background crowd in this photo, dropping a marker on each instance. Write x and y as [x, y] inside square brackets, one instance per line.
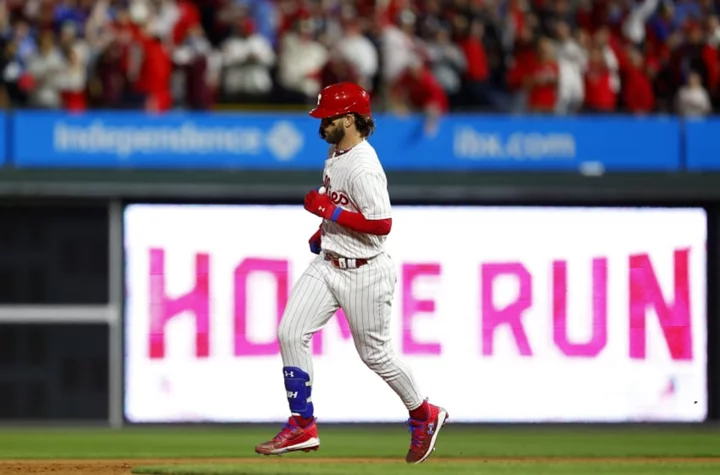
[433, 56]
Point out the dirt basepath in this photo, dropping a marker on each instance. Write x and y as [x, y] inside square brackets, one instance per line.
[124, 467]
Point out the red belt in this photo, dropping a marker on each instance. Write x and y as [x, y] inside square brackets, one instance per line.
[345, 262]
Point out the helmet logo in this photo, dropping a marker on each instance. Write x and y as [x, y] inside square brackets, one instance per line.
[319, 98]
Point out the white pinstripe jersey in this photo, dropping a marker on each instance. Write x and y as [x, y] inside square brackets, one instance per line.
[355, 181]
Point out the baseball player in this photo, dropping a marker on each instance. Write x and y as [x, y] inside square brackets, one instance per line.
[352, 271]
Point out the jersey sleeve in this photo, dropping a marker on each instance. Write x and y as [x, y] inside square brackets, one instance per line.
[370, 193]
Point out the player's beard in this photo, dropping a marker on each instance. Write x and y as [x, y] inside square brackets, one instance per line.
[332, 135]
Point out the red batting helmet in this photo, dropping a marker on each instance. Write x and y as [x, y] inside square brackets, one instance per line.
[342, 98]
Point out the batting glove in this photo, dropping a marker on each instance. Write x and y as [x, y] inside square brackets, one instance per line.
[320, 205]
[315, 242]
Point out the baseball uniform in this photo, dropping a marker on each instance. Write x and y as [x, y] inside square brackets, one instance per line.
[352, 271]
[355, 181]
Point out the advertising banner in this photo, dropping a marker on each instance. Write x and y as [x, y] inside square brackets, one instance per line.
[504, 314]
[175, 140]
[291, 141]
[4, 159]
[701, 143]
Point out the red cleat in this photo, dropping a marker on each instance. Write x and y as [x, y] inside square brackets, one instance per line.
[424, 434]
[292, 438]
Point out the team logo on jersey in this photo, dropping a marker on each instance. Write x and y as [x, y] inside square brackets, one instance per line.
[337, 197]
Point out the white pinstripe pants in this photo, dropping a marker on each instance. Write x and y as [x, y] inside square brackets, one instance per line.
[365, 294]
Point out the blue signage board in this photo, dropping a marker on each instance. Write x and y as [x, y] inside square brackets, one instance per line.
[291, 141]
[702, 144]
[4, 152]
[508, 143]
[180, 141]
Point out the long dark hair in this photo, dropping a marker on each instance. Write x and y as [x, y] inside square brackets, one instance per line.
[364, 124]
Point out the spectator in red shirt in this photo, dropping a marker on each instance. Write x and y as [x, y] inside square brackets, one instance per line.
[676, 38]
[189, 18]
[542, 81]
[418, 90]
[637, 91]
[599, 94]
[477, 73]
[152, 79]
[519, 67]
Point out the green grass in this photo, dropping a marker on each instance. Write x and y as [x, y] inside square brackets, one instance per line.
[450, 468]
[460, 450]
[455, 441]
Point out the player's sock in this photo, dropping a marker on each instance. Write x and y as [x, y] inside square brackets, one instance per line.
[303, 421]
[299, 390]
[421, 413]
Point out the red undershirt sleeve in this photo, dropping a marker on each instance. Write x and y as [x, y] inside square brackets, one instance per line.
[358, 222]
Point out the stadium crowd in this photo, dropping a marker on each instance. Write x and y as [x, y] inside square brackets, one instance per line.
[544, 56]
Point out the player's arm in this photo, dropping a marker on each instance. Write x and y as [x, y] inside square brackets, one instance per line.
[358, 222]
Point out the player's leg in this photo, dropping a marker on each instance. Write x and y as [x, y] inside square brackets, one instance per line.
[310, 306]
[366, 295]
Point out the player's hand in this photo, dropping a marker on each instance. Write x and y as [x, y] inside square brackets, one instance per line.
[315, 242]
[319, 205]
